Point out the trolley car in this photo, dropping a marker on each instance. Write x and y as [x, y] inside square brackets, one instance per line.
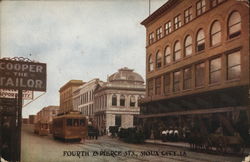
[69, 127]
[41, 128]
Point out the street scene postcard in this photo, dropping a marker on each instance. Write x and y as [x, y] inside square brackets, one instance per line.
[124, 80]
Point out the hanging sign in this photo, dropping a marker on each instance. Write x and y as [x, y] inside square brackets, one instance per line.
[21, 75]
[5, 93]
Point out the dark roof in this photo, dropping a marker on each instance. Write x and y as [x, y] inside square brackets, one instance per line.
[159, 11]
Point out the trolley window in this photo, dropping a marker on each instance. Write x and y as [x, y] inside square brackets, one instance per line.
[69, 122]
[82, 123]
[75, 122]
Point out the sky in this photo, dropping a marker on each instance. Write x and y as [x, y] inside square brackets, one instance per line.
[81, 39]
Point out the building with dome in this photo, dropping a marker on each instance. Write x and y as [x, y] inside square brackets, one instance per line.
[116, 101]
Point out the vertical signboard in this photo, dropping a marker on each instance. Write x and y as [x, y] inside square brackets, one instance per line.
[19, 74]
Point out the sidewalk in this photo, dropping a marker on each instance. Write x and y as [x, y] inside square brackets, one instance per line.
[176, 144]
[181, 144]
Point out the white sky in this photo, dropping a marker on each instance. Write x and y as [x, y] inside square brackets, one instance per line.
[77, 39]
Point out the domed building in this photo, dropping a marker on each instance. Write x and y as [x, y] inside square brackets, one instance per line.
[116, 101]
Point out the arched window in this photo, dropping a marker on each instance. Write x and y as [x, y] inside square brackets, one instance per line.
[188, 45]
[215, 33]
[132, 101]
[114, 100]
[158, 59]
[150, 63]
[177, 50]
[234, 24]
[167, 55]
[122, 100]
[200, 40]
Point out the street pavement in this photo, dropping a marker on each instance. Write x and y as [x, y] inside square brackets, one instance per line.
[37, 148]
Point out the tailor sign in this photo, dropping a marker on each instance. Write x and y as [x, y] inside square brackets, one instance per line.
[21, 75]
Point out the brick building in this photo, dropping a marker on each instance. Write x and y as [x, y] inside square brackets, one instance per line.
[197, 67]
[66, 95]
[47, 113]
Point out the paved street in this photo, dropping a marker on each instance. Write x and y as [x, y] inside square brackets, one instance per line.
[44, 148]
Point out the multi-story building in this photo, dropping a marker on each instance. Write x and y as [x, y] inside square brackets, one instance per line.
[66, 95]
[197, 66]
[116, 101]
[47, 113]
[83, 98]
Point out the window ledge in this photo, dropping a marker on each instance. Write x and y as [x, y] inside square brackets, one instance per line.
[232, 80]
[215, 46]
[213, 84]
[179, 60]
[187, 90]
[200, 87]
[233, 39]
[187, 57]
[199, 52]
[177, 92]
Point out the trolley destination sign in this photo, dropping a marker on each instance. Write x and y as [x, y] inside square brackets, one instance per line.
[22, 75]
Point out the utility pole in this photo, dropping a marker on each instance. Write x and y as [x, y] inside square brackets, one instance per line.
[149, 5]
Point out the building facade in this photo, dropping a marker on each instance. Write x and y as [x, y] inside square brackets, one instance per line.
[32, 119]
[83, 98]
[116, 101]
[197, 67]
[66, 95]
[47, 113]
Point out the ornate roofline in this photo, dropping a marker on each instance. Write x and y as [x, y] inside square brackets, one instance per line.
[159, 11]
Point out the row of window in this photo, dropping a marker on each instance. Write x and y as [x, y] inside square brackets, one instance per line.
[101, 102]
[186, 76]
[188, 16]
[132, 101]
[87, 110]
[84, 98]
[234, 29]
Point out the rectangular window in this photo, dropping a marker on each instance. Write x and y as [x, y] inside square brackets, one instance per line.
[159, 33]
[151, 38]
[122, 100]
[166, 83]
[199, 75]
[158, 86]
[200, 7]
[215, 70]
[75, 122]
[188, 15]
[150, 87]
[69, 122]
[187, 78]
[176, 81]
[233, 65]
[132, 101]
[168, 28]
[177, 22]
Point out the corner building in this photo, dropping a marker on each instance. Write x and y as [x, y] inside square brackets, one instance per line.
[116, 101]
[197, 67]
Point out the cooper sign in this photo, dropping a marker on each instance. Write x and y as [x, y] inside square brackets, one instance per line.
[22, 75]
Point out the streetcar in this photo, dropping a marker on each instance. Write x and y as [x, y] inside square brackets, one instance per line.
[41, 128]
[72, 126]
